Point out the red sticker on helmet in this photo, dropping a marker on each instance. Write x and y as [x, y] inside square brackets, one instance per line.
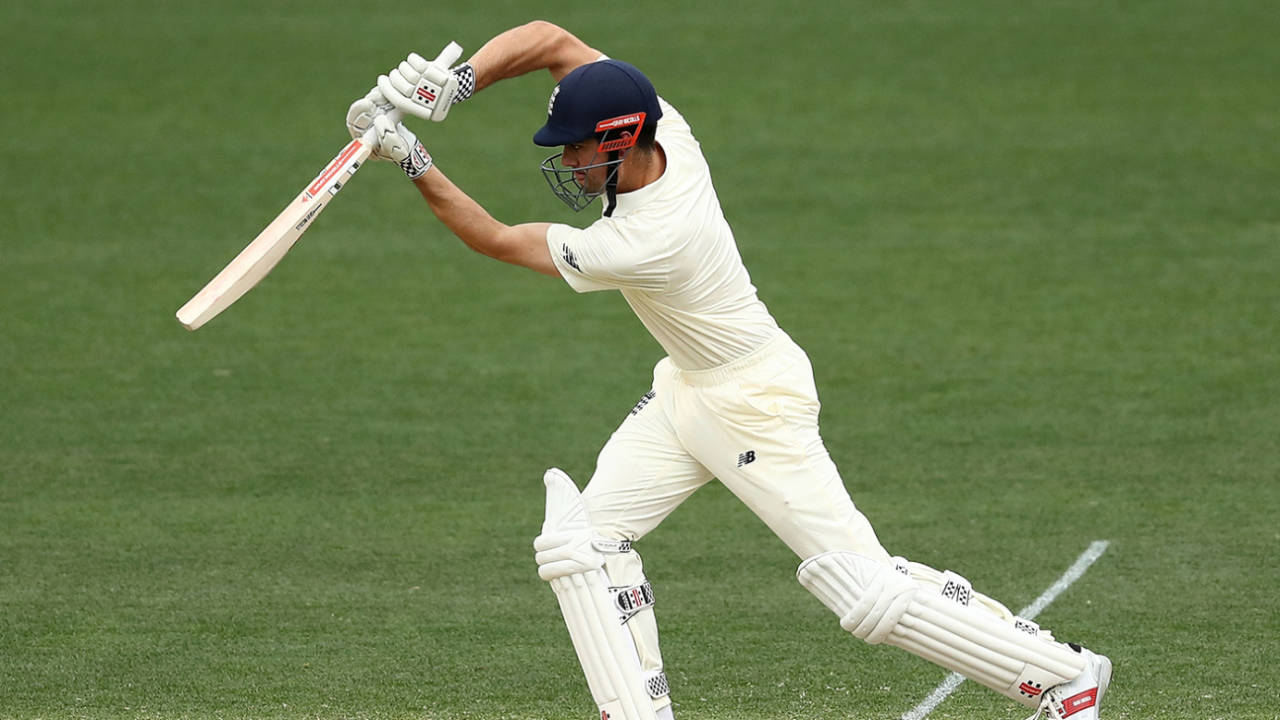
[634, 121]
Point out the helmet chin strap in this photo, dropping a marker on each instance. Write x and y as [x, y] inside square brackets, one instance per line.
[611, 185]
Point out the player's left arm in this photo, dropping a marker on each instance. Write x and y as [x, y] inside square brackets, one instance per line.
[428, 88]
[538, 45]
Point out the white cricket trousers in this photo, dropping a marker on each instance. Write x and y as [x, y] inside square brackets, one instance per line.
[753, 424]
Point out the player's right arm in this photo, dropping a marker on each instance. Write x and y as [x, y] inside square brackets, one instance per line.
[538, 45]
[524, 244]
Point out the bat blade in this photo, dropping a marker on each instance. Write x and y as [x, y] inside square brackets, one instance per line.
[260, 256]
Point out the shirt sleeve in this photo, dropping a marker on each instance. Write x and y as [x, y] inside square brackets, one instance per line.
[601, 257]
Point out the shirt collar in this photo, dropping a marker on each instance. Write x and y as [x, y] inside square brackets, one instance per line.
[630, 202]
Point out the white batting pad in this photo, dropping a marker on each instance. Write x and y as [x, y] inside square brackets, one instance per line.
[604, 645]
[880, 604]
[634, 600]
[957, 588]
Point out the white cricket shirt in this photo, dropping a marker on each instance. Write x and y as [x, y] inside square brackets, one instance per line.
[669, 250]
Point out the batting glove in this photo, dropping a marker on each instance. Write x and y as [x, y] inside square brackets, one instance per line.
[427, 88]
[361, 114]
[398, 143]
[391, 140]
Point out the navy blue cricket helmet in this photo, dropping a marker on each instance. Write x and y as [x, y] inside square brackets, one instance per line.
[601, 100]
[593, 93]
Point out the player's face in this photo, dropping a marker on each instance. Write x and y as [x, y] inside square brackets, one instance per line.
[581, 155]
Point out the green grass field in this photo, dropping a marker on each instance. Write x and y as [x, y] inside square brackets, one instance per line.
[1033, 249]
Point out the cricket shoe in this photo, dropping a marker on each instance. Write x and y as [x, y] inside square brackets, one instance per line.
[1081, 698]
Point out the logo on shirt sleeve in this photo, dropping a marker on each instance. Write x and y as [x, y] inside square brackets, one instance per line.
[570, 258]
[644, 400]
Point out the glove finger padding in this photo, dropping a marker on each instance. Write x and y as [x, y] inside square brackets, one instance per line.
[362, 114]
[397, 143]
[360, 117]
[397, 97]
[403, 83]
[421, 88]
[419, 63]
[394, 141]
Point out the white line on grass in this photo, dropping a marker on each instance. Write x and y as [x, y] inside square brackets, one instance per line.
[1073, 573]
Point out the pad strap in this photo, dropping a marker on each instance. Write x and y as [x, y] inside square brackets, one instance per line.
[1026, 626]
[657, 685]
[611, 547]
[631, 600]
[956, 588]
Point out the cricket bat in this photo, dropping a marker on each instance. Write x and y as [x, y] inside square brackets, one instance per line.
[265, 252]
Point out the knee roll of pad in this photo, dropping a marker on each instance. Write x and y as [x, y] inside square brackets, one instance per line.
[561, 554]
[868, 597]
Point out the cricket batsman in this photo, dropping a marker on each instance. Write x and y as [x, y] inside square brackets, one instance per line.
[734, 398]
